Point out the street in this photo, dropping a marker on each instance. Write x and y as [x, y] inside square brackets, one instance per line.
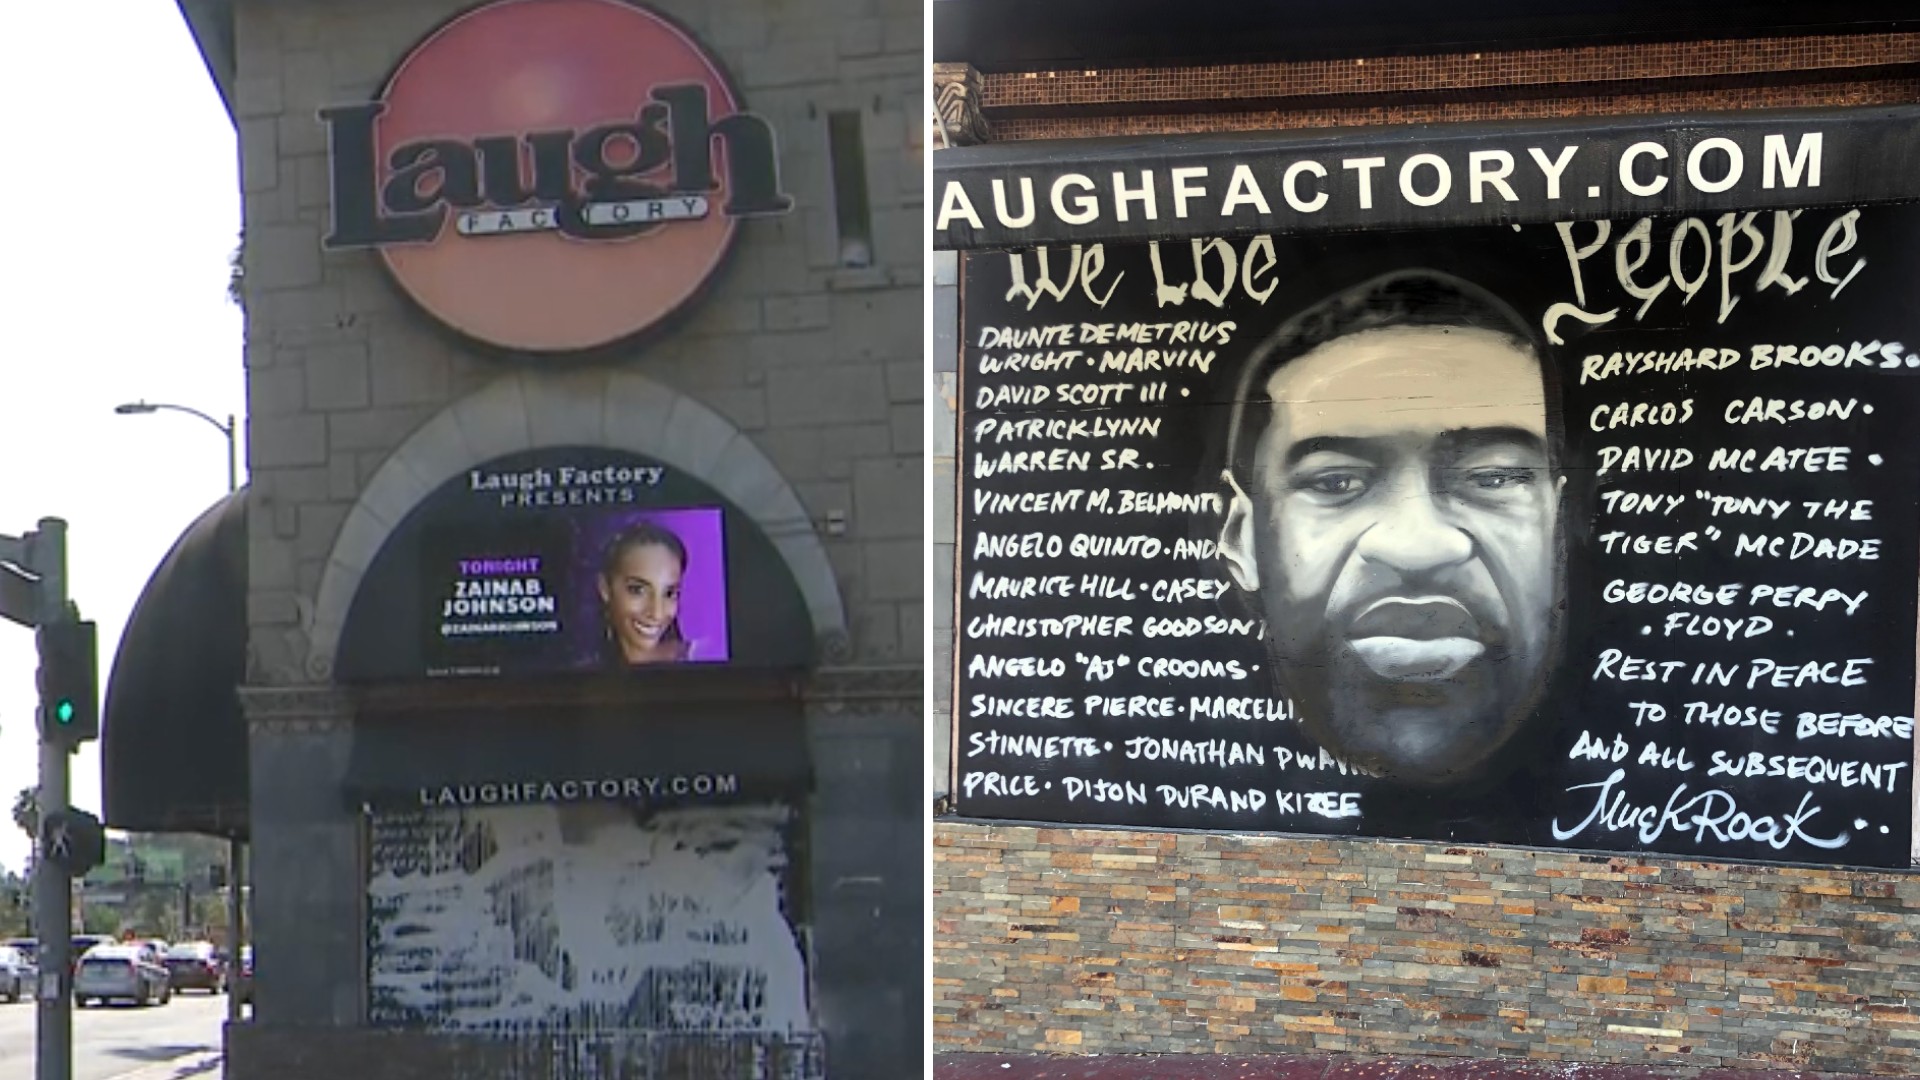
[179, 1041]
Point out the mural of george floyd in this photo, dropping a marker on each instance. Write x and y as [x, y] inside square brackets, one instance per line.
[1432, 555]
[1594, 535]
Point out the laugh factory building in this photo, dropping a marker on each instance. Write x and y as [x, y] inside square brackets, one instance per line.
[575, 596]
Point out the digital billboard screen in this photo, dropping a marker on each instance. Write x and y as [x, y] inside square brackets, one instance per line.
[573, 561]
[578, 591]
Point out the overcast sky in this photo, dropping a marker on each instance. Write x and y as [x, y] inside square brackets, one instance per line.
[121, 204]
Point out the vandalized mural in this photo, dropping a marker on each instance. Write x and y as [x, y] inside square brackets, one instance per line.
[1595, 534]
[585, 918]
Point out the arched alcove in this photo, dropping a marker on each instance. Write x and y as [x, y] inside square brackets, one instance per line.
[616, 410]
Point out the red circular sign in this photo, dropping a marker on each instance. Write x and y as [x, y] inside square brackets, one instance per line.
[551, 142]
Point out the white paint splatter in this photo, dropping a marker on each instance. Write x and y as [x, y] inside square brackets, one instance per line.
[529, 918]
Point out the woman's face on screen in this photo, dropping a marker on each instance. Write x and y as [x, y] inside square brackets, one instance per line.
[642, 595]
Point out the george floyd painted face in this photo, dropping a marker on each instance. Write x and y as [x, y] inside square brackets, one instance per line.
[1398, 520]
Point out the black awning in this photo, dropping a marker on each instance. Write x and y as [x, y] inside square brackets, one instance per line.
[1007, 35]
[691, 755]
[173, 742]
[1170, 187]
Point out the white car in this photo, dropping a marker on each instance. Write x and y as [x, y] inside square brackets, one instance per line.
[17, 974]
[130, 972]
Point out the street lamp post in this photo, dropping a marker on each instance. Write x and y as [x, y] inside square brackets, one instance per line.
[235, 850]
[138, 408]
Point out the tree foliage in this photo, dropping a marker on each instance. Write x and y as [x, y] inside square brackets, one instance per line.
[26, 813]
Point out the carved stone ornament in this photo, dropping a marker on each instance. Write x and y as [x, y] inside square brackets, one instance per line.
[956, 106]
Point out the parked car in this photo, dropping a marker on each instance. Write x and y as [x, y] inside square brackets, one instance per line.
[196, 965]
[83, 942]
[121, 971]
[17, 974]
[26, 946]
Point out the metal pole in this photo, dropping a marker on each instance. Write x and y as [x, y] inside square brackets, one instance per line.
[233, 455]
[236, 851]
[234, 935]
[53, 887]
[52, 902]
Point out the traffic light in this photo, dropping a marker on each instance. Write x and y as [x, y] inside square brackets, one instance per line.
[69, 681]
[73, 839]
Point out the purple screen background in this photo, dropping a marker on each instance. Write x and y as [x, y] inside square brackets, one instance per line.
[703, 591]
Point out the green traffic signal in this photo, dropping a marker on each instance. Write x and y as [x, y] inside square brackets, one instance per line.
[69, 686]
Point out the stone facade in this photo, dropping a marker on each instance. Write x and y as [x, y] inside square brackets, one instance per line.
[1088, 941]
[1100, 941]
[793, 383]
[1805, 71]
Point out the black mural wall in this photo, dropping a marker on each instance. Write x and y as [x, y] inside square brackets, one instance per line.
[1598, 536]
